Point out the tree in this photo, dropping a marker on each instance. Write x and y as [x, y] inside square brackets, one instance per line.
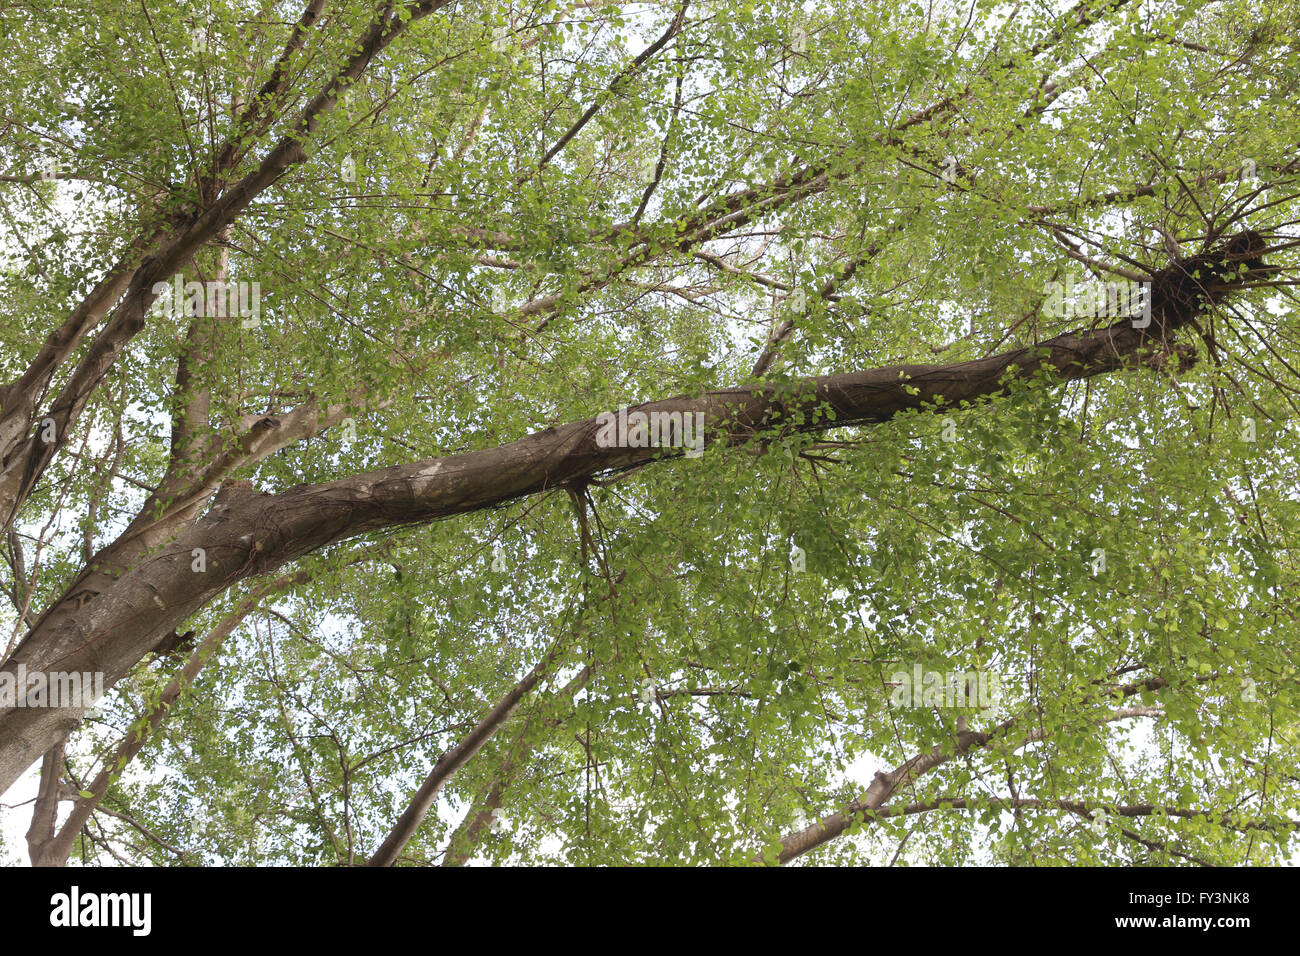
[569, 432]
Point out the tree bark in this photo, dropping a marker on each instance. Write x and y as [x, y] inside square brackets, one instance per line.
[110, 626]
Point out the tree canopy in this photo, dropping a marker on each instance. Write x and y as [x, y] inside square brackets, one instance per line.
[700, 432]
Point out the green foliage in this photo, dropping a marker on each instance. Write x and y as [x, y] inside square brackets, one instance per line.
[733, 697]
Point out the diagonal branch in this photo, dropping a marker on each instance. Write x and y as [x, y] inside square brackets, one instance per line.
[248, 534]
[624, 74]
[23, 462]
[453, 760]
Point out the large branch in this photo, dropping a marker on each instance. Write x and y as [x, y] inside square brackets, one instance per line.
[246, 534]
[45, 813]
[450, 762]
[259, 114]
[481, 814]
[18, 399]
[23, 460]
[626, 73]
[886, 784]
[1086, 808]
